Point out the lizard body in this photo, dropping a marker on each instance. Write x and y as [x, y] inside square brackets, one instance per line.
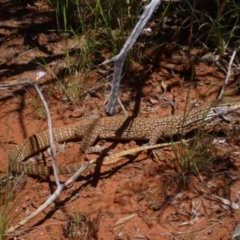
[119, 128]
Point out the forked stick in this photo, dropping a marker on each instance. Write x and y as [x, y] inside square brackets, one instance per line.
[109, 160]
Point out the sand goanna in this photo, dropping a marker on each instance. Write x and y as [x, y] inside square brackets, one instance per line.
[118, 128]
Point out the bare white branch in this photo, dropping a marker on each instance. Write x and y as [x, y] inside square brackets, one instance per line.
[110, 160]
[50, 132]
[119, 59]
[51, 199]
[228, 74]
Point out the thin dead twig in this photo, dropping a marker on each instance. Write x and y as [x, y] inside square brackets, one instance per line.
[50, 132]
[228, 74]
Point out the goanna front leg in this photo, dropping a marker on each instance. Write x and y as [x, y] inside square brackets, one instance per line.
[91, 135]
[155, 136]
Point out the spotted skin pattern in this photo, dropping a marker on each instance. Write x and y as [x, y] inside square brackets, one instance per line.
[118, 128]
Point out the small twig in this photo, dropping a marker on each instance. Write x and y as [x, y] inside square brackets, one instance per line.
[174, 104]
[228, 75]
[123, 108]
